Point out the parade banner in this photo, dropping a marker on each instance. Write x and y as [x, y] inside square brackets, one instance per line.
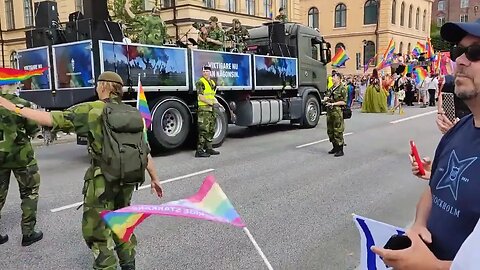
[160, 68]
[73, 65]
[230, 71]
[272, 72]
[32, 59]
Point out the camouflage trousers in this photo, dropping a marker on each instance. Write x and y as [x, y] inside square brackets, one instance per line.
[100, 195]
[335, 126]
[28, 180]
[206, 129]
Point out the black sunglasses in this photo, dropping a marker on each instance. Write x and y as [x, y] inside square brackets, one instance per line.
[471, 52]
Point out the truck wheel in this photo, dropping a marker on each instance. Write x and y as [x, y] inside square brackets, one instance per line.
[221, 127]
[311, 113]
[171, 122]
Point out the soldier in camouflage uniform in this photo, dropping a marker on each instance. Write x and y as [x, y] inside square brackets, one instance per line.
[238, 34]
[206, 90]
[99, 194]
[335, 99]
[281, 17]
[17, 156]
[215, 36]
[202, 37]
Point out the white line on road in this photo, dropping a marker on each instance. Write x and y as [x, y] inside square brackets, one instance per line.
[413, 117]
[317, 142]
[142, 187]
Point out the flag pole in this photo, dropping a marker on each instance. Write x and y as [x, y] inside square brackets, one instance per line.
[259, 250]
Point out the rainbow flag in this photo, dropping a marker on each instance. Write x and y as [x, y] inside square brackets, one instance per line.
[418, 49]
[12, 76]
[408, 69]
[209, 203]
[142, 105]
[429, 49]
[340, 58]
[420, 74]
[387, 56]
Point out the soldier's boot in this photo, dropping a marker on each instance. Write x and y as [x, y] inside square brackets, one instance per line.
[334, 149]
[128, 266]
[3, 239]
[201, 153]
[213, 152]
[339, 153]
[27, 240]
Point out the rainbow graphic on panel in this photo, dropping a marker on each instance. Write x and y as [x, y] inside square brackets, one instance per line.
[12, 76]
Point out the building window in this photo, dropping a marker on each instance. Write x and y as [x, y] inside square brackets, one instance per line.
[369, 53]
[440, 21]
[400, 48]
[209, 3]
[402, 14]
[268, 8]
[409, 48]
[424, 22]
[340, 15]
[370, 12]
[167, 3]
[231, 5]
[9, 14]
[337, 48]
[394, 12]
[79, 5]
[464, 18]
[315, 51]
[13, 59]
[28, 16]
[441, 5]
[410, 11]
[313, 17]
[417, 19]
[250, 7]
[464, 4]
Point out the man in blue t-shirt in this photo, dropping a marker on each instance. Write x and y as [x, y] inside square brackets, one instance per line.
[449, 208]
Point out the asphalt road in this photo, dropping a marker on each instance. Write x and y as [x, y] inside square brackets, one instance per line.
[296, 199]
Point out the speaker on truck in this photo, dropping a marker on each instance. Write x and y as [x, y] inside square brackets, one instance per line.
[96, 10]
[96, 30]
[276, 32]
[46, 14]
[39, 37]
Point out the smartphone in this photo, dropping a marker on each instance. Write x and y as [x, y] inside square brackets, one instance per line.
[448, 105]
[398, 242]
[415, 154]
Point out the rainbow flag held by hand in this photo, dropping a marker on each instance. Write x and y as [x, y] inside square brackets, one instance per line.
[420, 74]
[12, 76]
[209, 203]
[142, 105]
[340, 58]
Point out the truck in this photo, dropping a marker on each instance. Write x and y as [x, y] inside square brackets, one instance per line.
[281, 77]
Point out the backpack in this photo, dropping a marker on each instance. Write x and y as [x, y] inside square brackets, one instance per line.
[124, 151]
[408, 85]
[396, 85]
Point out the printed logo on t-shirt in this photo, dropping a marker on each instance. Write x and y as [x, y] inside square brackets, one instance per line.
[454, 173]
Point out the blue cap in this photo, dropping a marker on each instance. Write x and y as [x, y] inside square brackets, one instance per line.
[454, 32]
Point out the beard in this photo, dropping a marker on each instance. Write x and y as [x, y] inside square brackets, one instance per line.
[465, 85]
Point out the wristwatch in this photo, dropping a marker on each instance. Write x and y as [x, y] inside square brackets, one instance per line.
[18, 107]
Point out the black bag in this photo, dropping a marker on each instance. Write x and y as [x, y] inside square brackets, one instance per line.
[347, 113]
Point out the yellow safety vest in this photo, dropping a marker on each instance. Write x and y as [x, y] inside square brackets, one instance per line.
[330, 82]
[209, 92]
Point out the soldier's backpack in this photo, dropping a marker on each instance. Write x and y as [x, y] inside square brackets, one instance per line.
[124, 151]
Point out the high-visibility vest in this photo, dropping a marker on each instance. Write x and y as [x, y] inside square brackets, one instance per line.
[209, 92]
[329, 82]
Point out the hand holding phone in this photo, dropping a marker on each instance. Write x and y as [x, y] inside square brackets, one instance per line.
[415, 154]
[398, 242]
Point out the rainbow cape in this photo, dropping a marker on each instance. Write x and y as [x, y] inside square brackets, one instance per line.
[142, 105]
[209, 203]
[12, 76]
[340, 58]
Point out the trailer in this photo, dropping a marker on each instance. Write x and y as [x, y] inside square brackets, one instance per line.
[280, 78]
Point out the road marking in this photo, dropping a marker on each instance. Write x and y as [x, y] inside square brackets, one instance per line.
[413, 117]
[140, 188]
[317, 142]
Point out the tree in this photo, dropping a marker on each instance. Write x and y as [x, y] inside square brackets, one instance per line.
[141, 27]
[437, 42]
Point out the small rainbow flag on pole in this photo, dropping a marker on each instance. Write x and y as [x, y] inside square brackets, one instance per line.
[429, 49]
[408, 69]
[418, 49]
[209, 203]
[340, 58]
[142, 105]
[11, 75]
[387, 56]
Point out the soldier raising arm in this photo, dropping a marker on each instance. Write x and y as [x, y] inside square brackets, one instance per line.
[100, 193]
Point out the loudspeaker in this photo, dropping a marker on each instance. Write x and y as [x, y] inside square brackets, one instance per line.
[96, 30]
[44, 37]
[75, 16]
[276, 32]
[46, 14]
[96, 10]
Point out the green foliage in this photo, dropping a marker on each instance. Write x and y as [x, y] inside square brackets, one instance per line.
[437, 42]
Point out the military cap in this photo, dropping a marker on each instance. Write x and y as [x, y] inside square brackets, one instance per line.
[109, 76]
[213, 19]
[207, 67]
[235, 21]
[280, 9]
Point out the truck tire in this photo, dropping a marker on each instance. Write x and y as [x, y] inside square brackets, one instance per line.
[221, 127]
[171, 123]
[311, 114]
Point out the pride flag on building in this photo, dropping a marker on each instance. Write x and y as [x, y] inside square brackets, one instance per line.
[340, 58]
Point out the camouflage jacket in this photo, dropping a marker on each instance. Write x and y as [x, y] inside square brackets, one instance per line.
[16, 132]
[335, 94]
[240, 34]
[282, 18]
[216, 34]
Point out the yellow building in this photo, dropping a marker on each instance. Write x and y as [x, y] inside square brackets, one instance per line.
[17, 17]
[362, 32]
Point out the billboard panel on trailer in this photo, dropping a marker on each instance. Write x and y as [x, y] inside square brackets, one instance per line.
[273, 72]
[31, 59]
